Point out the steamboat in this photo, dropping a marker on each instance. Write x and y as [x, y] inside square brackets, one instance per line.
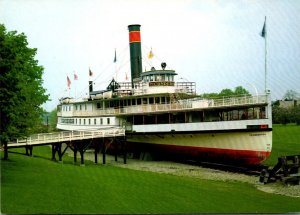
[168, 118]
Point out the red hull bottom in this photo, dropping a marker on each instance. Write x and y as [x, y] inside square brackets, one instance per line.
[216, 155]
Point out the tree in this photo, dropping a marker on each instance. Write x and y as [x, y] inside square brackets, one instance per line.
[53, 120]
[21, 90]
[238, 91]
[226, 92]
[290, 95]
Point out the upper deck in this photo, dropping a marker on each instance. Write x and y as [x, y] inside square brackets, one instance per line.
[135, 106]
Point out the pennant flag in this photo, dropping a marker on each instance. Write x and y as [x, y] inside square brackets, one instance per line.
[264, 29]
[90, 72]
[68, 82]
[115, 59]
[75, 76]
[150, 54]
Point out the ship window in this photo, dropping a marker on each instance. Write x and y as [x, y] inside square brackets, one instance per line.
[79, 107]
[76, 121]
[95, 121]
[85, 107]
[138, 120]
[168, 100]
[151, 77]
[98, 105]
[84, 121]
[108, 121]
[155, 77]
[163, 100]
[75, 107]
[157, 100]
[133, 102]
[79, 121]
[129, 102]
[144, 100]
[262, 113]
[163, 77]
[151, 100]
[101, 121]
[69, 108]
[139, 101]
[89, 121]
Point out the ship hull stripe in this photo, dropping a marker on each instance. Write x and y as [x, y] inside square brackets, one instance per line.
[253, 146]
[218, 155]
[200, 132]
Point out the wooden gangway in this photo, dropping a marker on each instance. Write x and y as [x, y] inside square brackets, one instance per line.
[66, 136]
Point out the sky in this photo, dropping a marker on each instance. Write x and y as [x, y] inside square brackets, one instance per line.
[215, 43]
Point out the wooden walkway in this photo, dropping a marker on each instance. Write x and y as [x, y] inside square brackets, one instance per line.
[66, 136]
[77, 141]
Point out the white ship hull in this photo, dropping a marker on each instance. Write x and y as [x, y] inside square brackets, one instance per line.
[249, 148]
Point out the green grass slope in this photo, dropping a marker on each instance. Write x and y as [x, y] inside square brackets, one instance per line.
[35, 185]
[38, 185]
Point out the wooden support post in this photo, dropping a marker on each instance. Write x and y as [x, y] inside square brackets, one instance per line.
[116, 150]
[59, 151]
[30, 150]
[26, 148]
[53, 151]
[96, 153]
[81, 156]
[81, 150]
[125, 150]
[75, 152]
[5, 151]
[103, 152]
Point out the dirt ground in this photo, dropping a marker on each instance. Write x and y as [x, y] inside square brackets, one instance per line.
[187, 170]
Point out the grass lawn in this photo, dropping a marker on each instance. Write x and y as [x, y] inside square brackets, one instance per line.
[38, 185]
[286, 141]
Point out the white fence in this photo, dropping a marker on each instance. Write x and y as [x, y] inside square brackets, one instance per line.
[187, 104]
[65, 136]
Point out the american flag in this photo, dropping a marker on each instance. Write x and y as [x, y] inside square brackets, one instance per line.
[68, 82]
[75, 76]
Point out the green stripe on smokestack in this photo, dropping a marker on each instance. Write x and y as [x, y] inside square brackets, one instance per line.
[135, 51]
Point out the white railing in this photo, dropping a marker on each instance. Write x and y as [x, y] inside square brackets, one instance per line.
[187, 104]
[45, 138]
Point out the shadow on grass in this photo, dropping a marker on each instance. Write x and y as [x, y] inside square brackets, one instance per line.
[68, 160]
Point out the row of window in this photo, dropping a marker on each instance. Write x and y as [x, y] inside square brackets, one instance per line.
[76, 107]
[87, 121]
[161, 77]
[118, 103]
[199, 116]
[134, 101]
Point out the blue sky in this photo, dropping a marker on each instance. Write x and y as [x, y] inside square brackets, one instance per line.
[215, 43]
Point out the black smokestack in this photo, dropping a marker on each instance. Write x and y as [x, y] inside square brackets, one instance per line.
[135, 51]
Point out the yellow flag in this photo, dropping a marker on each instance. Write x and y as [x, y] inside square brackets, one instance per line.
[150, 54]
